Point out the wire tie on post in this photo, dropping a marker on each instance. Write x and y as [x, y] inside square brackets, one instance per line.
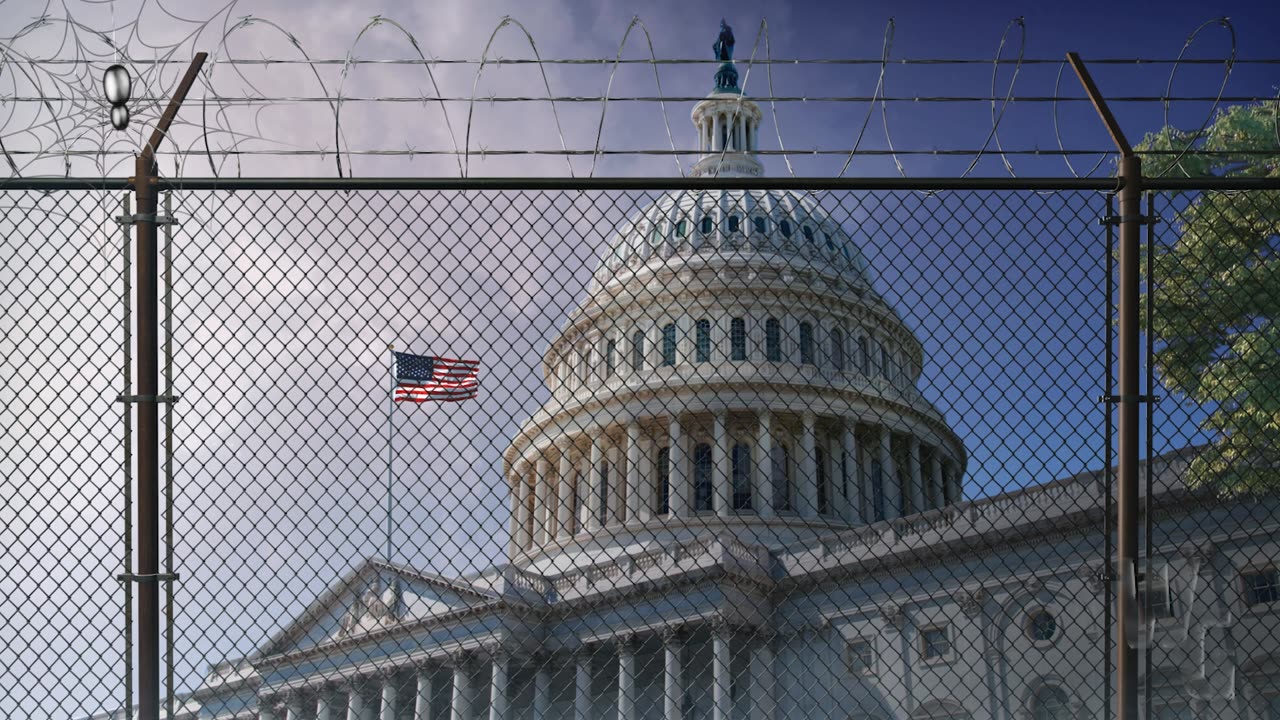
[146, 217]
[147, 398]
[152, 577]
[1118, 219]
[1122, 398]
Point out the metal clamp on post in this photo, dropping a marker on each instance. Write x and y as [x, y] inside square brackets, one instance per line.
[146, 217]
[1122, 398]
[153, 577]
[1118, 219]
[147, 398]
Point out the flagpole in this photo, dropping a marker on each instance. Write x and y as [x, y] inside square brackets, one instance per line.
[391, 406]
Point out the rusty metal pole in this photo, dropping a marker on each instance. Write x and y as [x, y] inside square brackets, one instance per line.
[148, 497]
[1128, 628]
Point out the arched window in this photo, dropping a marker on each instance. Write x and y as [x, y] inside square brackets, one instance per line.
[741, 477]
[737, 339]
[610, 357]
[808, 233]
[733, 223]
[877, 491]
[682, 228]
[702, 477]
[824, 496]
[669, 344]
[806, 343]
[760, 226]
[837, 349]
[702, 338]
[663, 467]
[707, 224]
[1051, 703]
[785, 227]
[603, 470]
[864, 357]
[772, 340]
[781, 480]
[637, 351]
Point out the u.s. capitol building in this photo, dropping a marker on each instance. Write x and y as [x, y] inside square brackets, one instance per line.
[737, 504]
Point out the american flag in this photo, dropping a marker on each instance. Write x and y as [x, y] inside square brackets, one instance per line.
[434, 379]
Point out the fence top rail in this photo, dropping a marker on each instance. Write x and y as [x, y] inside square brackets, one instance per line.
[638, 183]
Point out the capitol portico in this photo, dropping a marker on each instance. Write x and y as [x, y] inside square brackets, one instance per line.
[737, 504]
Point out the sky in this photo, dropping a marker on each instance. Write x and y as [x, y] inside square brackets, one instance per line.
[282, 313]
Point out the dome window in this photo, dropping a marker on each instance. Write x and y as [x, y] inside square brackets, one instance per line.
[707, 225]
[837, 349]
[664, 481]
[702, 337]
[737, 340]
[733, 223]
[806, 343]
[741, 461]
[785, 227]
[669, 345]
[760, 226]
[772, 340]
[682, 228]
[610, 357]
[831, 247]
[656, 237]
[702, 477]
[1041, 626]
[637, 351]
[808, 233]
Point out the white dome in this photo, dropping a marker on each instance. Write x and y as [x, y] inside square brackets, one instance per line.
[773, 222]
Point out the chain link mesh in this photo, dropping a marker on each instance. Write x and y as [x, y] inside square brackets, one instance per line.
[736, 453]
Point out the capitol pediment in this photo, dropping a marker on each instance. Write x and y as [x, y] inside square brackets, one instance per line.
[374, 596]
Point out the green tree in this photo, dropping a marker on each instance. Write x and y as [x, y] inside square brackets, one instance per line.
[1216, 291]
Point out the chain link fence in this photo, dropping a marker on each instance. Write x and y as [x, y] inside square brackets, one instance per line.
[836, 451]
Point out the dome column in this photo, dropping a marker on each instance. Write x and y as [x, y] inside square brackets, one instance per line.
[722, 702]
[720, 490]
[672, 677]
[634, 496]
[715, 133]
[763, 676]
[542, 508]
[937, 494]
[678, 497]
[520, 498]
[564, 494]
[762, 493]
[849, 475]
[809, 466]
[890, 489]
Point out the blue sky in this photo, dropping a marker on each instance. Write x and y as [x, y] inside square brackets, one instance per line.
[1006, 308]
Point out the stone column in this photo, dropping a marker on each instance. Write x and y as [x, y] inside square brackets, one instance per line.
[388, 710]
[520, 497]
[763, 678]
[564, 491]
[634, 496]
[890, 489]
[762, 494]
[541, 504]
[422, 702]
[324, 710]
[809, 466]
[293, 707]
[715, 133]
[722, 702]
[740, 146]
[917, 477]
[849, 478]
[937, 493]
[460, 707]
[582, 685]
[721, 492]
[497, 685]
[672, 676]
[266, 711]
[626, 680]
[542, 688]
[956, 481]
[678, 469]
[593, 499]
[355, 703]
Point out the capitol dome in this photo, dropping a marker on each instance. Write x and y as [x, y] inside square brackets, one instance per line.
[730, 372]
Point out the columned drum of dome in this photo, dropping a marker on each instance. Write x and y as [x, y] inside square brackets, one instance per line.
[731, 368]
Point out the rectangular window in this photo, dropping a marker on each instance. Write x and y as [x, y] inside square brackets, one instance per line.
[610, 357]
[741, 477]
[837, 350]
[864, 357]
[1153, 588]
[637, 351]
[737, 340]
[877, 490]
[603, 470]
[664, 481]
[860, 655]
[1261, 587]
[824, 505]
[806, 343]
[934, 643]
[772, 340]
[702, 477]
[885, 370]
[781, 479]
[669, 345]
[702, 344]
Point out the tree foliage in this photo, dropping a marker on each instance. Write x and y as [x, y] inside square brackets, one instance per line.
[1216, 294]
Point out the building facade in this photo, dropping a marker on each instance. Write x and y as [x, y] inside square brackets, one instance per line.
[737, 504]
